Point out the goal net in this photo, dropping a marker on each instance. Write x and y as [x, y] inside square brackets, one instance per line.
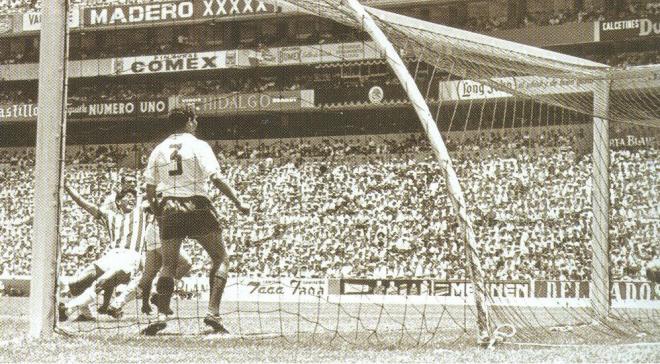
[381, 231]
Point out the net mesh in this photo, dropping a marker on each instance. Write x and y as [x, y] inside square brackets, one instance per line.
[494, 62]
[363, 229]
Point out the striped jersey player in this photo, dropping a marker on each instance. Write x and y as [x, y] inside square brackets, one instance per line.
[126, 230]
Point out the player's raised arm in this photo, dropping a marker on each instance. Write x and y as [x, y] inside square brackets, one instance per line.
[83, 203]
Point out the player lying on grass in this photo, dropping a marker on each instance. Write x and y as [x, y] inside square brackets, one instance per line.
[180, 168]
[121, 259]
[140, 284]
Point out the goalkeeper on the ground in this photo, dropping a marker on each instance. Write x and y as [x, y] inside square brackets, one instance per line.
[122, 258]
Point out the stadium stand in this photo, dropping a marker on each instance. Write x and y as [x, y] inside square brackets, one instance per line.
[347, 212]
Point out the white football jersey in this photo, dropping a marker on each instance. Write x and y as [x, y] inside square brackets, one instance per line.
[181, 166]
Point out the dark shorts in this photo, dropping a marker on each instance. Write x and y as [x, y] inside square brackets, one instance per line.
[187, 217]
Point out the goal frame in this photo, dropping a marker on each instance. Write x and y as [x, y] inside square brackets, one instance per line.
[51, 126]
[49, 167]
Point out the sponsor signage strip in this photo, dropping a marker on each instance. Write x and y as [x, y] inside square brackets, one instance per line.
[615, 30]
[621, 291]
[32, 19]
[244, 289]
[174, 11]
[644, 295]
[29, 112]
[324, 53]
[236, 102]
[528, 85]
[199, 61]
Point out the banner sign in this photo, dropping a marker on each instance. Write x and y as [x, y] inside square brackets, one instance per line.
[615, 30]
[265, 101]
[527, 85]
[313, 54]
[181, 62]
[621, 291]
[118, 108]
[245, 289]
[29, 112]
[276, 289]
[633, 142]
[174, 11]
[32, 20]
[20, 112]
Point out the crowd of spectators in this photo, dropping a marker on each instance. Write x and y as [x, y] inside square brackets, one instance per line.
[377, 206]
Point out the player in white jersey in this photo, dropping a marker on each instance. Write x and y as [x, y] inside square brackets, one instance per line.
[180, 168]
[140, 284]
[121, 259]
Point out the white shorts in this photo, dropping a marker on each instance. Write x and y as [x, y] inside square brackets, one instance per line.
[119, 259]
[152, 237]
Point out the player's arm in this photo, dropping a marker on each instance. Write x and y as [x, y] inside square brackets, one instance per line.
[83, 203]
[151, 179]
[229, 191]
[152, 197]
[211, 167]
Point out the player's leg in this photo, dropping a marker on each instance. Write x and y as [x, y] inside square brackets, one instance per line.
[79, 303]
[183, 265]
[153, 263]
[81, 287]
[165, 284]
[107, 280]
[107, 284]
[140, 285]
[130, 293]
[213, 245]
[83, 280]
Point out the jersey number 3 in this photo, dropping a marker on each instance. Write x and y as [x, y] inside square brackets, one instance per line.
[176, 157]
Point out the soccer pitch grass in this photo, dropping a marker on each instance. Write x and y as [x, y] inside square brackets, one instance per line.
[304, 332]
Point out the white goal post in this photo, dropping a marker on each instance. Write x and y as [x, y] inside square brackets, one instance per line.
[552, 63]
[51, 135]
[48, 172]
[441, 153]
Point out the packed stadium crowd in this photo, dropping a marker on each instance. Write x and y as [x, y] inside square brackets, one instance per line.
[376, 206]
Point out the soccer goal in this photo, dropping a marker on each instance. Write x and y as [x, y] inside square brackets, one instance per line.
[508, 193]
